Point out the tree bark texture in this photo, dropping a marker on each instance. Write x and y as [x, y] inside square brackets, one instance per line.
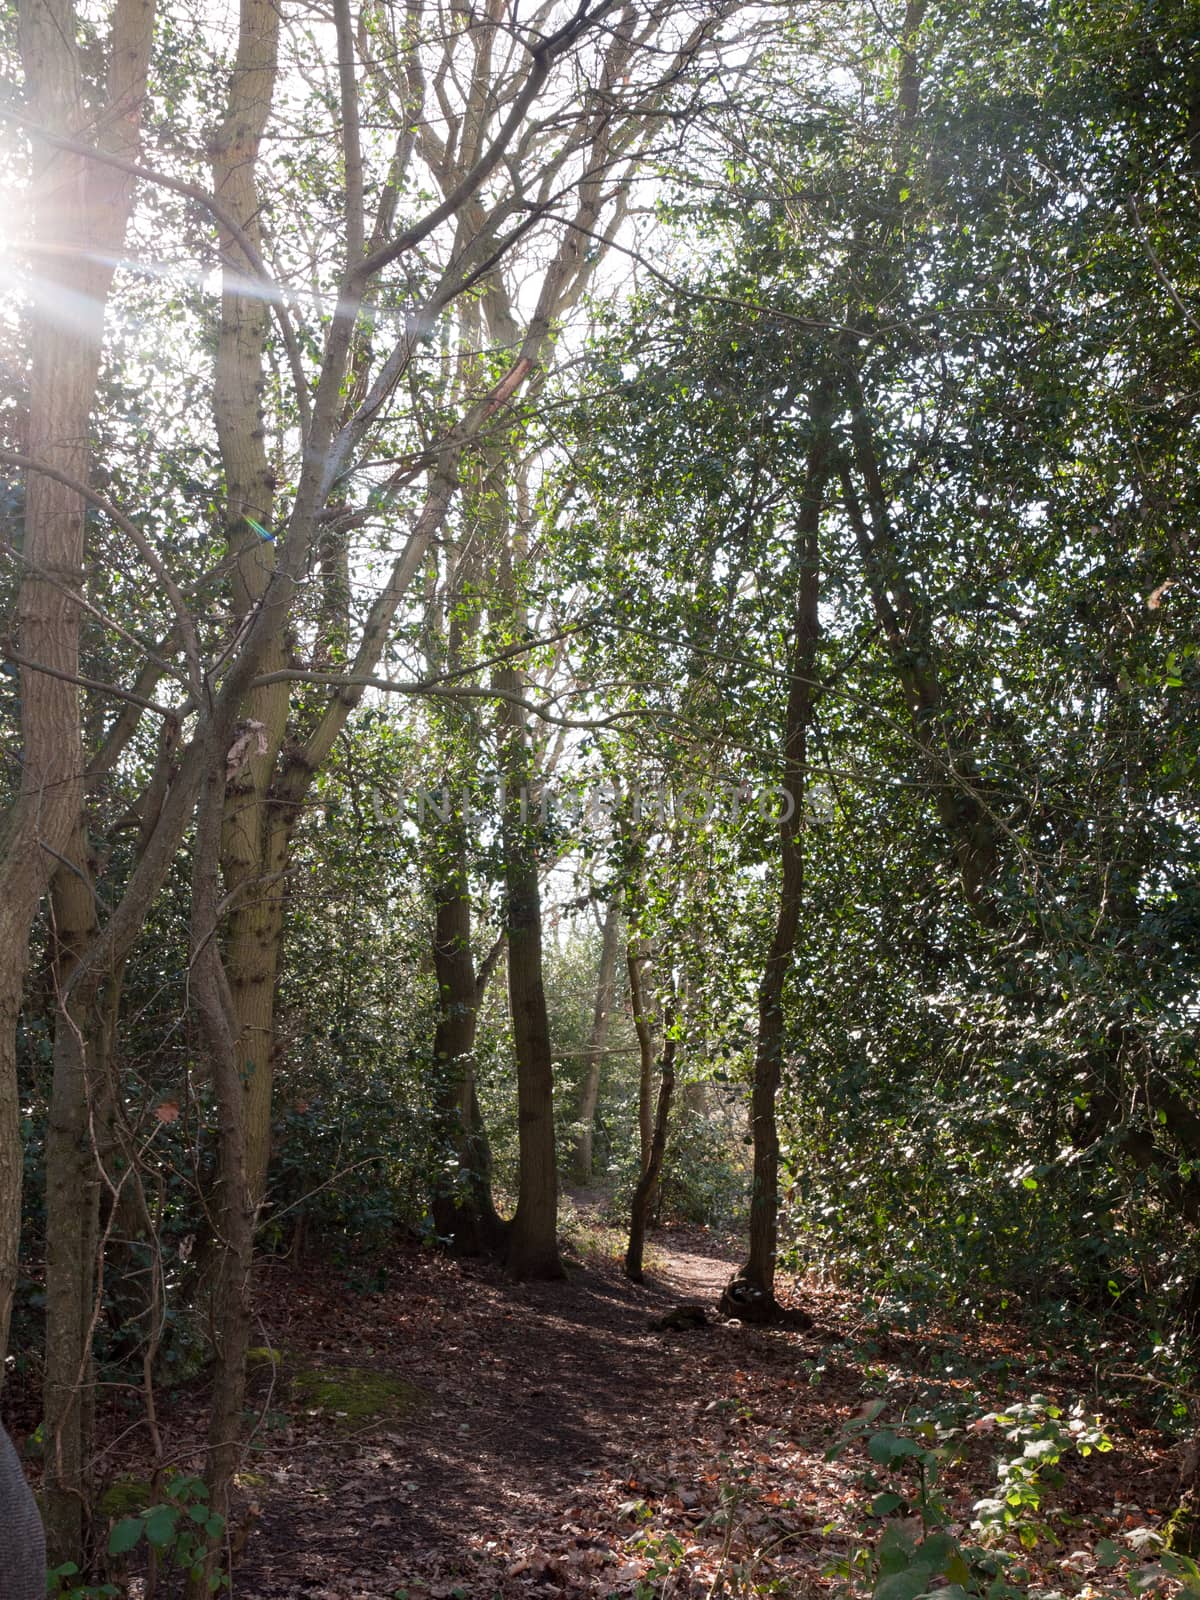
[255, 836]
[79, 212]
[80, 1107]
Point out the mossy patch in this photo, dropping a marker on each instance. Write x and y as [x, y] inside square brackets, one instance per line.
[262, 1355]
[355, 1395]
[1182, 1532]
[125, 1497]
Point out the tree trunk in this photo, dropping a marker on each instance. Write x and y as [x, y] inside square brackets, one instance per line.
[637, 961]
[594, 1059]
[79, 212]
[759, 1270]
[533, 1235]
[234, 1211]
[954, 778]
[643, 1195]
[79, 1107]
[463, 1210]
[255, 839]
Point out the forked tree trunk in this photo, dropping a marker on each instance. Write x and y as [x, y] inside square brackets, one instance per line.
[594, 1059]
[265, 802]
[643, 1195]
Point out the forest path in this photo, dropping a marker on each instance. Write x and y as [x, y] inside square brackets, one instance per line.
[540, 1397]
[560, 1447]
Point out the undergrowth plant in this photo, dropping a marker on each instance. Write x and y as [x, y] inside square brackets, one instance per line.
[918, 1554]
[179, 1532]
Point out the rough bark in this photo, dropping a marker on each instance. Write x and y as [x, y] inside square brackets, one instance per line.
[79, 212]
[79, 1104]
[593, 1061]
[254, 843]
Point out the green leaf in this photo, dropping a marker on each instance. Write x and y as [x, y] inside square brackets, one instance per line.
[884, 1504]
[885, 1447]
[933, 1553]
[161, 1524]
[902, 1585]
[125, 1534]
[896, 1548]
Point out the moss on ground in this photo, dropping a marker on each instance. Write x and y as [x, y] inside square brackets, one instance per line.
[355, 1395]
[125, 1497]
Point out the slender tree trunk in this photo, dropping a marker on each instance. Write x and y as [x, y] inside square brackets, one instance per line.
[594, 1059]
[759, 1270]
[463, 1210]
[643, 1195]
[255, 837]
[234, 1211]
[637, 962]
[955, 781]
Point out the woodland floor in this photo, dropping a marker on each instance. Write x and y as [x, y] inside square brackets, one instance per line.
[558, 1446]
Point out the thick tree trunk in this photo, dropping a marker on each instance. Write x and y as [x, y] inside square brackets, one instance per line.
[594, 1059]
[533, 1235]
[79, 1107]
[759, 1270]
[79, 212]
[464, 1213]
[643, 1195]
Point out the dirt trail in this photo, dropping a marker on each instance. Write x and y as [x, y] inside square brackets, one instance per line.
[534, 1390]
[562, 1448]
